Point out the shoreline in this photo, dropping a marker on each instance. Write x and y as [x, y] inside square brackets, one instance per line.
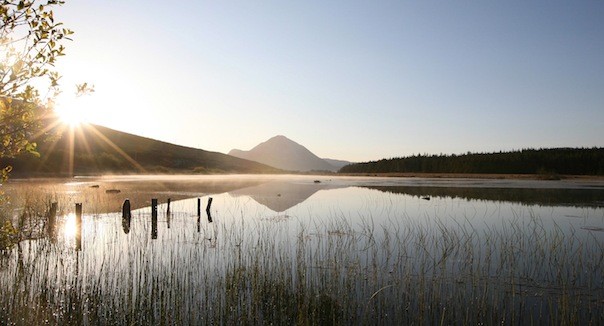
[483, 176]
[490, 176]
[477, 176]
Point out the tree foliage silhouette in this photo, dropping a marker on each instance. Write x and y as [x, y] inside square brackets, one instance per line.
[31, 41]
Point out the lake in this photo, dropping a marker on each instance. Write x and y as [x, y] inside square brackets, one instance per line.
[305, 250]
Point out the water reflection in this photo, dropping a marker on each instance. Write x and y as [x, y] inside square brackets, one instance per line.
[528, 196]
[356, 240]
[153, 218]
[280, 196]
[78, 226]
[209, 215]
[154, 227]
[126, 225]
[52, 222]
[72, 229]
[69, 227]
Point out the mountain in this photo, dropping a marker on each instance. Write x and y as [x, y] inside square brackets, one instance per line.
[100, 150]
[286, 154]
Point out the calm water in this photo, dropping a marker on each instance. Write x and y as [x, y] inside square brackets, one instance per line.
[371, 236]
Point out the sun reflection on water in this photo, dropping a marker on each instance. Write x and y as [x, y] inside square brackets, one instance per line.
[70, 229]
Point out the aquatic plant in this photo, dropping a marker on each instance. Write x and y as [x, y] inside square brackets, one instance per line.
[389, 266]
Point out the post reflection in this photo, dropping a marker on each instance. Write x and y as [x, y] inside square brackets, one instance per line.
[154, 218]
[209, 216]
[78, 223]
[126, 225]
[51, 228]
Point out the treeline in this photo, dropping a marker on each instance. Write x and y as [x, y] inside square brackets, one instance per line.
[570, 161]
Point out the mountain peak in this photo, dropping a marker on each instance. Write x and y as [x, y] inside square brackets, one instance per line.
[280, 139]
[280, 151]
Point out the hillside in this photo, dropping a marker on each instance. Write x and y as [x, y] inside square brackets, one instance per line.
[285, 154]
[569, 161]
[98, 150]
[338, 164]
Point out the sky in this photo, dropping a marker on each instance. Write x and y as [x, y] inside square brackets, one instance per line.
[351, 80]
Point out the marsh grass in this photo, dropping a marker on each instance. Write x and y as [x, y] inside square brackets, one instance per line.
[245, 268]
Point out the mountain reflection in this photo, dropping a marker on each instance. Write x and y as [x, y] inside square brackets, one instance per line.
[280, 196]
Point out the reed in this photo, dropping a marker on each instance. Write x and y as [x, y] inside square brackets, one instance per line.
[245, 268]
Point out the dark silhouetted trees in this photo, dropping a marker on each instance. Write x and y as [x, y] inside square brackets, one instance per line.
[571, 161]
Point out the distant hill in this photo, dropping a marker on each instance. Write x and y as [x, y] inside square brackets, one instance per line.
[338, 164]
[569, 161]
[99, 150]
[286, 154]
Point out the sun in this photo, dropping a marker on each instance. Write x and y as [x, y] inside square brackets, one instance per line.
[71, 112]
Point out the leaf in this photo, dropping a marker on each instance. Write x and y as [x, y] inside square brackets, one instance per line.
[31, 148]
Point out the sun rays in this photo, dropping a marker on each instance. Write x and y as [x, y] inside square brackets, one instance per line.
[76, 137]
[72, 110]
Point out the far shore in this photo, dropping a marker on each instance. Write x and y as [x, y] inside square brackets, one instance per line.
[479, 176]
[491, 176]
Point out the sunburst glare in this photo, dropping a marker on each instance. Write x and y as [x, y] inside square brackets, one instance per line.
[71, 111]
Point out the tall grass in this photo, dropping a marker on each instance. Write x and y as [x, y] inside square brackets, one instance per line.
[247, 268]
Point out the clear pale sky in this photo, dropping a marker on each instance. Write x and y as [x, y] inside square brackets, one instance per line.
[353, 80]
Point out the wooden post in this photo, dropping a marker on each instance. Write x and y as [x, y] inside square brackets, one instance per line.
[168, 213]
[198, 207]
[52, 218]
[154, 207]
[154, 218]
[78, 235]
[209, 204]
[126, 211]
[208, 210]
[126, 216]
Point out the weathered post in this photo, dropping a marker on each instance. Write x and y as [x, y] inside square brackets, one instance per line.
[209, 204]
[168, 213]
[78, 235]
[126, 216]
[126, 211]
[168, 209]
[208, 210]
[154, 218]
[52, 218]
[198, 207]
